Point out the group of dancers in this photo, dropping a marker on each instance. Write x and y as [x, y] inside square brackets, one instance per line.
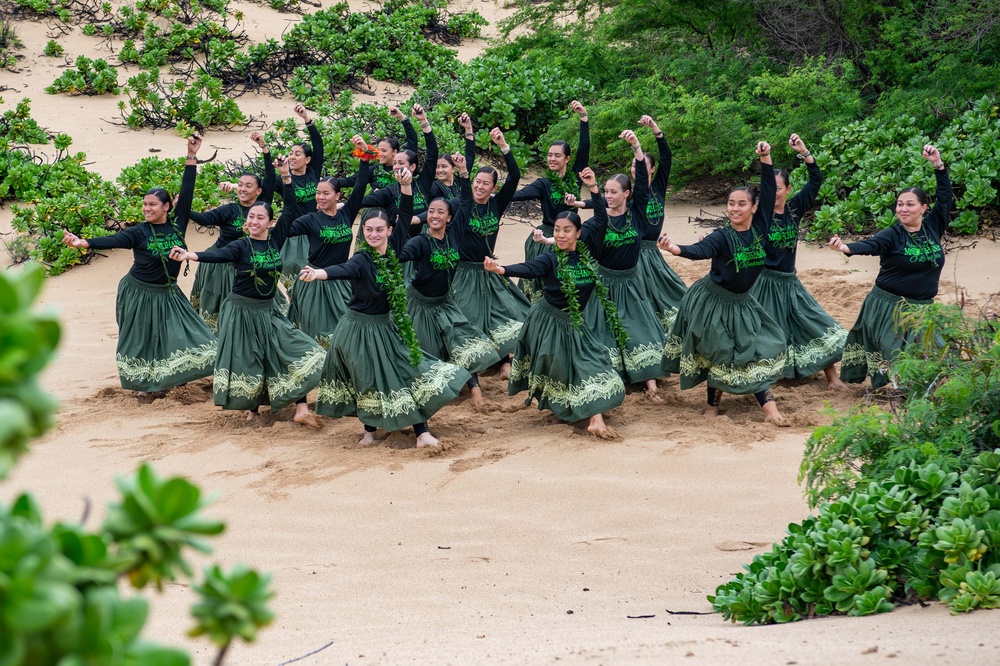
[396, 330]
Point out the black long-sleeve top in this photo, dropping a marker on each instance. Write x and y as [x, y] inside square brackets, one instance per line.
[330, 236]
[783, 238]
[477, 225]
[387, 196]
[151, 243]
[616, 240]
[368, 296]
[545, 266]
[305, 185]
[434, 261]
[541, 189]
[910, 264]
[229, 218]
[738, 256]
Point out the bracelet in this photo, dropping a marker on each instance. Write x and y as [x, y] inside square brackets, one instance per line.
[309, 122]
[941, 168]
[464, 175]
[803, 156]
[505, 149]
[659, 136]
[469, 135]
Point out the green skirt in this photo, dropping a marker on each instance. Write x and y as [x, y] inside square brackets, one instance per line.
[212, 284]
[567, 370]
[368, 374]
[874, 341]
[662, 286]
[445, 333]
[642, 358]
[294, 255]
[162, 342]
[815, 341]
[317, 306]
[263, 359]
[726, 339]
[533, 289]
[491, 303]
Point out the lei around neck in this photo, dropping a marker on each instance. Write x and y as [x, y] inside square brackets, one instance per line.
[389, 274]
[568, 287]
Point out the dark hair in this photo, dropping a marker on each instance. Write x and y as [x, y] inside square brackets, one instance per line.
[651, 159]
[749, 189]
[447, 158]
[490, 170]
[565, 146]
[451, 211]
[255, 177]
[379, 213]
[331, 181]
[392, 141]
[782, 174]
[262, 204]
[572, 217]
[162, 195]
[307, 149]
[624, 181]
[412, 158]
[916, 191]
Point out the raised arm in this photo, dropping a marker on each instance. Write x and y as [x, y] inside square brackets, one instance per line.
[640, 189]
[806, 197]
[268, 185]
[506, 193]
[583, 149]
[315, 139]
[940, 215]
[182, 211]
[426, 177]
[662, 178]
[470, 139]
[768, 186]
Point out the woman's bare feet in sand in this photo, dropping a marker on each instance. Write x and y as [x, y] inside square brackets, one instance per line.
[368, 439]
[710, 412]
[505, 370]
[652, 393]
[599, 429]
[251, 414]
[772, 415]
[304, 417]
[427, 441]
[476, 397]
[833, 380]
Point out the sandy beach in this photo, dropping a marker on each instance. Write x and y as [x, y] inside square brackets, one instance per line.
[519, 542]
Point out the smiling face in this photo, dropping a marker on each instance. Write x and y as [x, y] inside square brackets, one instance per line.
[402, 161]
[557, 159]
[781, 191]
[566, 234]
[327, 198]
[444, 171]
[437, 215]
[247, 190]
[377, 233]
[298, 160]
[740, 208]
[258, 223]
[909, 210]
[483, 186]
[615, 194]
[385, 153]
[154, 210]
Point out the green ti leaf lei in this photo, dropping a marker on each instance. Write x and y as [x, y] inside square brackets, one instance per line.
[389, 271]
[569, 290]
[562, 185]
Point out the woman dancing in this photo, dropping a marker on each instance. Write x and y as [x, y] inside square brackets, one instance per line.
[375, 368]
[815, 341]
[162, 342]
[305, 162]
[444, 332]
[910, 264]
[722, 335]
[560, 361]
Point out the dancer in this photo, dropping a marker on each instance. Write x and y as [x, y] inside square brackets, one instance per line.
[316, 307]
[910, 264]
[491, 302]
[214, 282]
[383, 172]
[551, 191]
[375, 368]
[262, 359]
[722, 335]
[305, 162]
[815, 341]
[162, 342]
[445, 185]
[444, 332]
[559, 360]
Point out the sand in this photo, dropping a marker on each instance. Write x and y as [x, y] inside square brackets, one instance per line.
[519, 542]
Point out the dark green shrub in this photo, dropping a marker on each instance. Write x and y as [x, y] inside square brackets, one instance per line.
[91, 77]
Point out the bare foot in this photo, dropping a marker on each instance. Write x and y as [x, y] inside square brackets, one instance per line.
[427, 441]
[833, 380]
[838, 385]
[144, 397]
[505, 371]
[251, 415]
[654, 397]
[710, 412]
[308, 419]
[772, 415]
[368, 439]
[597, 428]
[476, 397]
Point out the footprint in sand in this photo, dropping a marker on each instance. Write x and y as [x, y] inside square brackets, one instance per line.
[600, 540]
[734, 546]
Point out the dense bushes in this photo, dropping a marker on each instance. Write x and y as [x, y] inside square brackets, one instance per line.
[91, 77]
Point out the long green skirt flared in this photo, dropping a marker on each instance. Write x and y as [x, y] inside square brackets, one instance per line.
[875, 340]
[263, 359]
[368, 374]
[662, 286]
[491, 303]
[726, 339]
[533, 289]
[815, 341]
[294, 255]
[643, 356]
[316, 307]
[212, 285]
[162, 342]
[445, 333]
[567, 371]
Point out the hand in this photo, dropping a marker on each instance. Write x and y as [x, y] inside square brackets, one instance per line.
[838, 245]
[300, 109]
[465, 122]
[360, 143]
[570, 200]
[460, 164]
[74, 241]
[797, 144]
[538, 236]
[588, 177]
[258, 138]
[664, 244]
[632, 139]
[578, 108]
[194, 143]
[340, 205]
[932, 155]
[763, 149]
[180, 254]
[396, 113]
[308, 274]
[227, 187]
[419, 114]
[496, 136]
[281, 166]
[404, 176]
[490, 264]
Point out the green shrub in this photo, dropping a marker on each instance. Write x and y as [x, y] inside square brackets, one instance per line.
[91, 77]
[198, 103]
[17, 126]
[53, 49]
